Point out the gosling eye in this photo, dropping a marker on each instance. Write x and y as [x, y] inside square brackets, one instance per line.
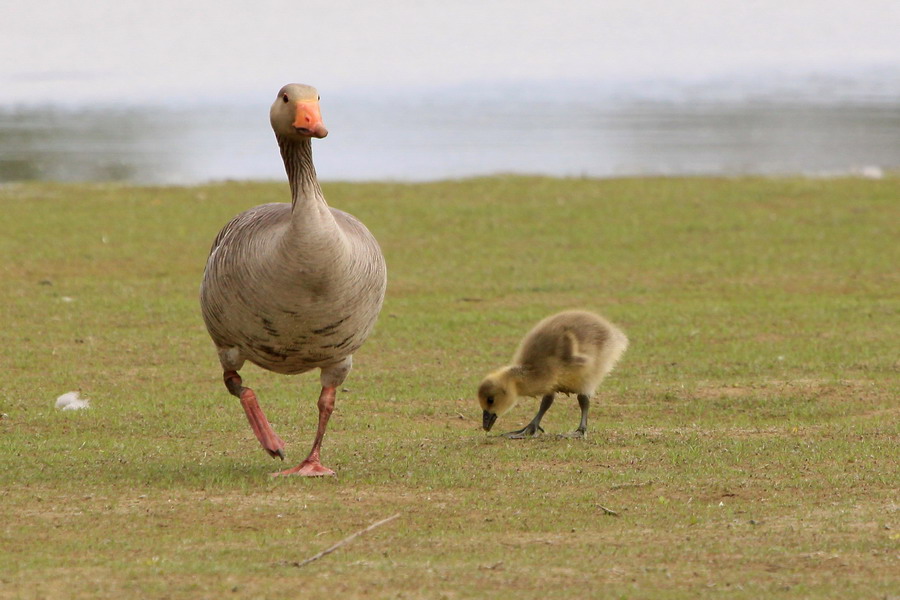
[490, 400]
[318, 98]
[284, 98]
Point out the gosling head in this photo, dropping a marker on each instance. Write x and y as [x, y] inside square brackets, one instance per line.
[295, 112]
[496, 395]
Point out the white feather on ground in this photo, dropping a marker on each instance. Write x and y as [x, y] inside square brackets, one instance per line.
[72, 401]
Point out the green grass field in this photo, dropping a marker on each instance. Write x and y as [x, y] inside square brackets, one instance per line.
[748, 441]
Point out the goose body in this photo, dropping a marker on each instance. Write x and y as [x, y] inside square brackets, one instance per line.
[570, 352]
[286, 314]
[292, 287]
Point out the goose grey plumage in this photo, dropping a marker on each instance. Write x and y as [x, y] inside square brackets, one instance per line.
[292, 287]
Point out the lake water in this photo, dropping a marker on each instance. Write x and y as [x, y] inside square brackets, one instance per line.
[430, 135]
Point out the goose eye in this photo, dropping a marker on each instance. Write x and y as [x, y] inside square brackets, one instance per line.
[284, 98]
[318, 98]
[490, 400]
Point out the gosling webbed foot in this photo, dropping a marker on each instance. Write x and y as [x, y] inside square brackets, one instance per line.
[529, 431]
[578, 434]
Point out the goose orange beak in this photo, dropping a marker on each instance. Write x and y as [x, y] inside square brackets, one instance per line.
[308, 120]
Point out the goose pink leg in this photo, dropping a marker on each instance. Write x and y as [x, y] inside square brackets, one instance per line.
[312, 466]
[270, 441]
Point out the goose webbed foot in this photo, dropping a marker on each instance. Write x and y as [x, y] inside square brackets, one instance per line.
[307, 468]
[529, 431]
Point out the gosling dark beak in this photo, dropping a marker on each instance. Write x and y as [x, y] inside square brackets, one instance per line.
[488, 420]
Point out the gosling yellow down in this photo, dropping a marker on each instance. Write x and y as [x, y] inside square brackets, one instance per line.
[569, 353]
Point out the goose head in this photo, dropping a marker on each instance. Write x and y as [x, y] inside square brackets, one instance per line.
[295, 112]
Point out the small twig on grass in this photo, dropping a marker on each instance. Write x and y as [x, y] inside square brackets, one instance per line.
[608, 511]
[346, 540]
[619, 486]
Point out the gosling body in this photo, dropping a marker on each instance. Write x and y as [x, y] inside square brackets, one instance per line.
[569, 353]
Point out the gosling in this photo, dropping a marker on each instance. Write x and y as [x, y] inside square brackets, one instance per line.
[570, 353]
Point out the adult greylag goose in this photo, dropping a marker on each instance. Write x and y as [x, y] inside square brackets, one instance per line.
[292, 287]
[570, 352]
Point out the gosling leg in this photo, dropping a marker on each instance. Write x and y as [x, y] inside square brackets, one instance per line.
[584, 403]
[532, 429]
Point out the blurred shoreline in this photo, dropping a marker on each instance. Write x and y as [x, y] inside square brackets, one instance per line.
[815, 125]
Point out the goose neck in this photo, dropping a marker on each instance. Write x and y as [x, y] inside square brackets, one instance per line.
[301, 173]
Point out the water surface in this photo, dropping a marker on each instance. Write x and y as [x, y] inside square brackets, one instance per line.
[432, 135]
